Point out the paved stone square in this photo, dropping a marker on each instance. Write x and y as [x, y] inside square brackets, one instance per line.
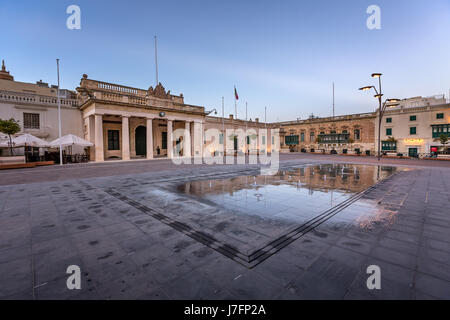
[135, 237]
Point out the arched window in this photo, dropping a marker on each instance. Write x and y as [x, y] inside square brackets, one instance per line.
[357, 134]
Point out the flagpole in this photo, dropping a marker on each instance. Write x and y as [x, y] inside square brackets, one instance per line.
[265, 128]
[156, 59]
[59, 115]
[246, 122]
[223, 124]
[265, 117]
[333, 100]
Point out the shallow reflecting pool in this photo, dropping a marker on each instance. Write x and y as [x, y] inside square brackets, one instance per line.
[293, 195]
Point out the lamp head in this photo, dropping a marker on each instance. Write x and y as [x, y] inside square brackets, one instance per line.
[376, 75]
[366, 88]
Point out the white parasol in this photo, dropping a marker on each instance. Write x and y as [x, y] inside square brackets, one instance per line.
[70, 140]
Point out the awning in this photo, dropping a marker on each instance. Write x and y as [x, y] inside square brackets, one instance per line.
[4, 141]
[28, 140]
[70, 140]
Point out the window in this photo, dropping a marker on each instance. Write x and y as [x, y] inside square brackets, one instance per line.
[273, 140]
[221, 138]
[357, 134]
[412, 118]
[388, 120]
[388, 145]
[291, 140]
[248, 139]
[302, 137]
[389, 132]
[311, 137]
[440, 116]
[164, 140]
[441, 129]
[264, 140]
[113, 140]
[31, 120]
[344, 131]
[412, 130]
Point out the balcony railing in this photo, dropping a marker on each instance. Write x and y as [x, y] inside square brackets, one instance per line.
[146, 101]
[35, 99]
[441, 129]
[123, 94]
[334, 138]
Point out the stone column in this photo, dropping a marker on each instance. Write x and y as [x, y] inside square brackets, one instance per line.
[187, 140]
[202, 140]
[99, 152]
[149, 138]
[169, 140]
[258, 143]
[125, 138]
[91, 136]
[90, 129]
[197, 139]
[192, 140]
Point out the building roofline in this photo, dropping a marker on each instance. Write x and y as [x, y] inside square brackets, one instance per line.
[329, 119]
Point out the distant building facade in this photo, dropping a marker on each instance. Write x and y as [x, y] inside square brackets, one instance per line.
[35, 106]
[259, 135]
[413, 127]
[341, 134]
[126, 123]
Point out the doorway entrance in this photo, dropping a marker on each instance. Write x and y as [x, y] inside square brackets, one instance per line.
[141, 141]
[412, 152]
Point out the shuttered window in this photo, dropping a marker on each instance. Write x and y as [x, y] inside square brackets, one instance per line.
[31, 120]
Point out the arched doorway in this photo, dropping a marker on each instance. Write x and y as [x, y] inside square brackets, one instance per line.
[141, 141]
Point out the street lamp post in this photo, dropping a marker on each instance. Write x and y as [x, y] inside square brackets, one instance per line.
[381, 106]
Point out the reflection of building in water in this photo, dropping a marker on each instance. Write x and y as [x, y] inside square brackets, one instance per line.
[350, 178]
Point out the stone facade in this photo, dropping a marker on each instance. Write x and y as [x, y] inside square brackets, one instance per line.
[125, 123]
[412, 127]
[350, 133]
[35, 106]
[259, 134]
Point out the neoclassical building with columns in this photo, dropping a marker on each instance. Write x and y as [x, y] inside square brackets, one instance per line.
[125, 122]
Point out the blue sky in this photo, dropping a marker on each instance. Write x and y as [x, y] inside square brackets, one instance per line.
[280, 54]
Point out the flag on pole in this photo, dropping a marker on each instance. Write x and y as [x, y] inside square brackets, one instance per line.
[236, 94]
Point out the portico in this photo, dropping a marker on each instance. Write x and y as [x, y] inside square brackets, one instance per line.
[128, 123]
